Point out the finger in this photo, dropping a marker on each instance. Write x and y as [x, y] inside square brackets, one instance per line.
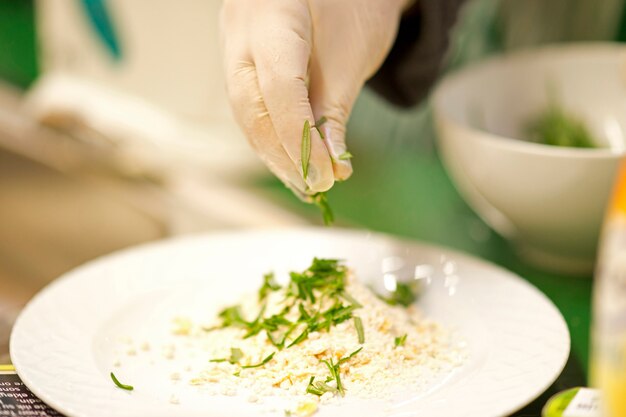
[253, 117]
[334, 101]
[282, 59]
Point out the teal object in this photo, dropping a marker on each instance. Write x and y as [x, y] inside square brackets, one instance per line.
[100, 19]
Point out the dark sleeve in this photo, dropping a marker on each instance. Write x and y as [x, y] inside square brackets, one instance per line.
[415, 59]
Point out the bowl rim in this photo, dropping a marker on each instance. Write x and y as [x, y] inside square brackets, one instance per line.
[510, 142]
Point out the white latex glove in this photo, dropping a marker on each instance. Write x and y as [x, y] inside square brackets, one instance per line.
[288, 61]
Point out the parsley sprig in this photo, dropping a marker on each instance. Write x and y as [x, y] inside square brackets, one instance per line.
[235, 356]
[317, 296]
[404, 295]
[305, 150]
[120, 385]
[268, 286]
[263, 362]
[319, 388]
[319, 199]
[400, 340]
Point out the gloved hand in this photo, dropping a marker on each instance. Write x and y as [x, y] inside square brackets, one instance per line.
[288, 61]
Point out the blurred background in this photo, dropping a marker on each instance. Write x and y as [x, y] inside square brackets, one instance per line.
[115, 130]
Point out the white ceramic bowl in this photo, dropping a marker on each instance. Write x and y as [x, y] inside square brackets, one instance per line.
[548, 200]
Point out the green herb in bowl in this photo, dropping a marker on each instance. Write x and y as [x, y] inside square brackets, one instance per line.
[556, 127]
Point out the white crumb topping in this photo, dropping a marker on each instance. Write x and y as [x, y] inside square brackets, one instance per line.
[402, 351]
[375, 372]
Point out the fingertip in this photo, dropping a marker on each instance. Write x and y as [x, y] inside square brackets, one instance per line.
[334, 140]
[342, 169]
[320, 175]
[320, 180]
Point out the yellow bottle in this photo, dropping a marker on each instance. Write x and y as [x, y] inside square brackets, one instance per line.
[608, 361]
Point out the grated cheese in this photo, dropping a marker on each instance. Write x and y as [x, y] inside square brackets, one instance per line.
[375, 372]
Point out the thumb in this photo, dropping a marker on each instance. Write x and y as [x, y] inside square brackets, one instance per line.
[333, 129]
[332, 106]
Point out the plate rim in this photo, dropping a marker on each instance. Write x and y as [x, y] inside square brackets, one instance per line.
[286, 231]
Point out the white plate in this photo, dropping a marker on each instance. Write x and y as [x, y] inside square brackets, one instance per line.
[64, 343]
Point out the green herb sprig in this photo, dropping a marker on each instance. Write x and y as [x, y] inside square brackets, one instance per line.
[400, 340]
[345, 156]
[358, 324]
[318, 123]
[319, 388]
[235, 356]
[557, 127]
[404, 295]
[268, 286]
[321, 201]
[334, 368]
[305, 150]
[318, 295]
[120, 385]
[263, 362]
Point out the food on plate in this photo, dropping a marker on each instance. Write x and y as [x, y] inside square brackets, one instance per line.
[318, 337]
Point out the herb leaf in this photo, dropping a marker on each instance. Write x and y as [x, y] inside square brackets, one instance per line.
[557, 127]
[319, 388]
[399, 341]
[404, 295]
[305, 150]
[350, 356]
[231, 316]
[350, 299]
[235, 356]
[263, 362]
[300, 338]
[323, 284]
[335, 374]
[321, 201]
[318, 123]
[321, 121]
[120, 385]
[268, 285]
[335, 371]
[345, 156]
[358, 324]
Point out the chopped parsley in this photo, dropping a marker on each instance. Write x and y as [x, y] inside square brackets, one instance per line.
[305, 150]
[319, 388]
[318, 124]
[556, 127]
[358, 324]
[400, 340]
[231, 316]
[120, 385]
[235, 356]
[321, 201]
[263, 362]
[317, 295]
[268, 286]
[345, 156]
[404, 295]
